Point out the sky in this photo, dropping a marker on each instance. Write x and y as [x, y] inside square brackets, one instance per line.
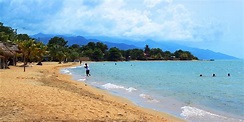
[217, 25]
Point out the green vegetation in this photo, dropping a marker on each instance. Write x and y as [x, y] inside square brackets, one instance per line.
[7, 34]
[57, 49]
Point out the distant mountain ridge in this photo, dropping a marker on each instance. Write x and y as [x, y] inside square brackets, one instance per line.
[200, 53]
[125, 44]
[80, 40]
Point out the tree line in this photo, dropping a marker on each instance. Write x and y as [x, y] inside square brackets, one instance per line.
[57, 49]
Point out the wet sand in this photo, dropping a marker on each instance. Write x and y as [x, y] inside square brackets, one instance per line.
[43, 94]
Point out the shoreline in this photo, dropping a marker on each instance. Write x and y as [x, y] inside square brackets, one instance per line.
[184, 110]
[43, 93]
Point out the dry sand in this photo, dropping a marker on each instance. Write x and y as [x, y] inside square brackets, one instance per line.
[43, 94]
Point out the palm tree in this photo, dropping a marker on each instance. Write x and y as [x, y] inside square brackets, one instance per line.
[26, 47]
[32, 50]
[39, 50]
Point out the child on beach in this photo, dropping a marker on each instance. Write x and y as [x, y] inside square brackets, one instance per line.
[87, 70]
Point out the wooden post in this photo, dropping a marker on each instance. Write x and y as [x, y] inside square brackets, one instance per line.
[1, 63]
[24, 63]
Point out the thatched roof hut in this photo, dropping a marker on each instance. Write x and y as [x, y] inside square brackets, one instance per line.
[7, 51]
[14, 48]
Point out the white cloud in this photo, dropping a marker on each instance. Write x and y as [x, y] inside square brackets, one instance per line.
[156, 19]
[133, 19]
[151, 3]
[154, 3]
[113, 18]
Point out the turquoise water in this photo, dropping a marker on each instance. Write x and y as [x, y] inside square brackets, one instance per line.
[174, 87]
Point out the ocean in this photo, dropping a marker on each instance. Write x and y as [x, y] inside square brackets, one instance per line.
[174, 87]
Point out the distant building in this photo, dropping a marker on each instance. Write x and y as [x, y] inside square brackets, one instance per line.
[84, 59]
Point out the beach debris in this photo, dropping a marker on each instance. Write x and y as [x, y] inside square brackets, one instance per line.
[120, 114]
[25, 78]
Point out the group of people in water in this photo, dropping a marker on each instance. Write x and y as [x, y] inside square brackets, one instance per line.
[88, 71]
[215, 75]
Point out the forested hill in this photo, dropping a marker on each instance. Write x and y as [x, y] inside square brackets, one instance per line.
[32, 49]
[127, 44]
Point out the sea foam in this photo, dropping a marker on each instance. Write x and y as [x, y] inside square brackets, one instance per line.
[196, 114]
[73, 67]
[113, 86]
[82, 79]
[188, 111]
[66, 71]
[148, 97]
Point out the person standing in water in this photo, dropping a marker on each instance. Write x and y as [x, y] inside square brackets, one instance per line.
[87, 70]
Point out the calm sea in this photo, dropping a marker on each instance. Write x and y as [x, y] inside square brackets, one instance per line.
[174, 87]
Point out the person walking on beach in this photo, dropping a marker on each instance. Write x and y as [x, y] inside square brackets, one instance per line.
[80, 62]
[87, 70]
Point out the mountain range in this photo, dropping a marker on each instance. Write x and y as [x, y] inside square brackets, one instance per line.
[125, 44]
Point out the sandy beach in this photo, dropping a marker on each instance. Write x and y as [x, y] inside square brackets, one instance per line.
[43, 94]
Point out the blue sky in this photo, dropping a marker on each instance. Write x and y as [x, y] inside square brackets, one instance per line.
[217, 25]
